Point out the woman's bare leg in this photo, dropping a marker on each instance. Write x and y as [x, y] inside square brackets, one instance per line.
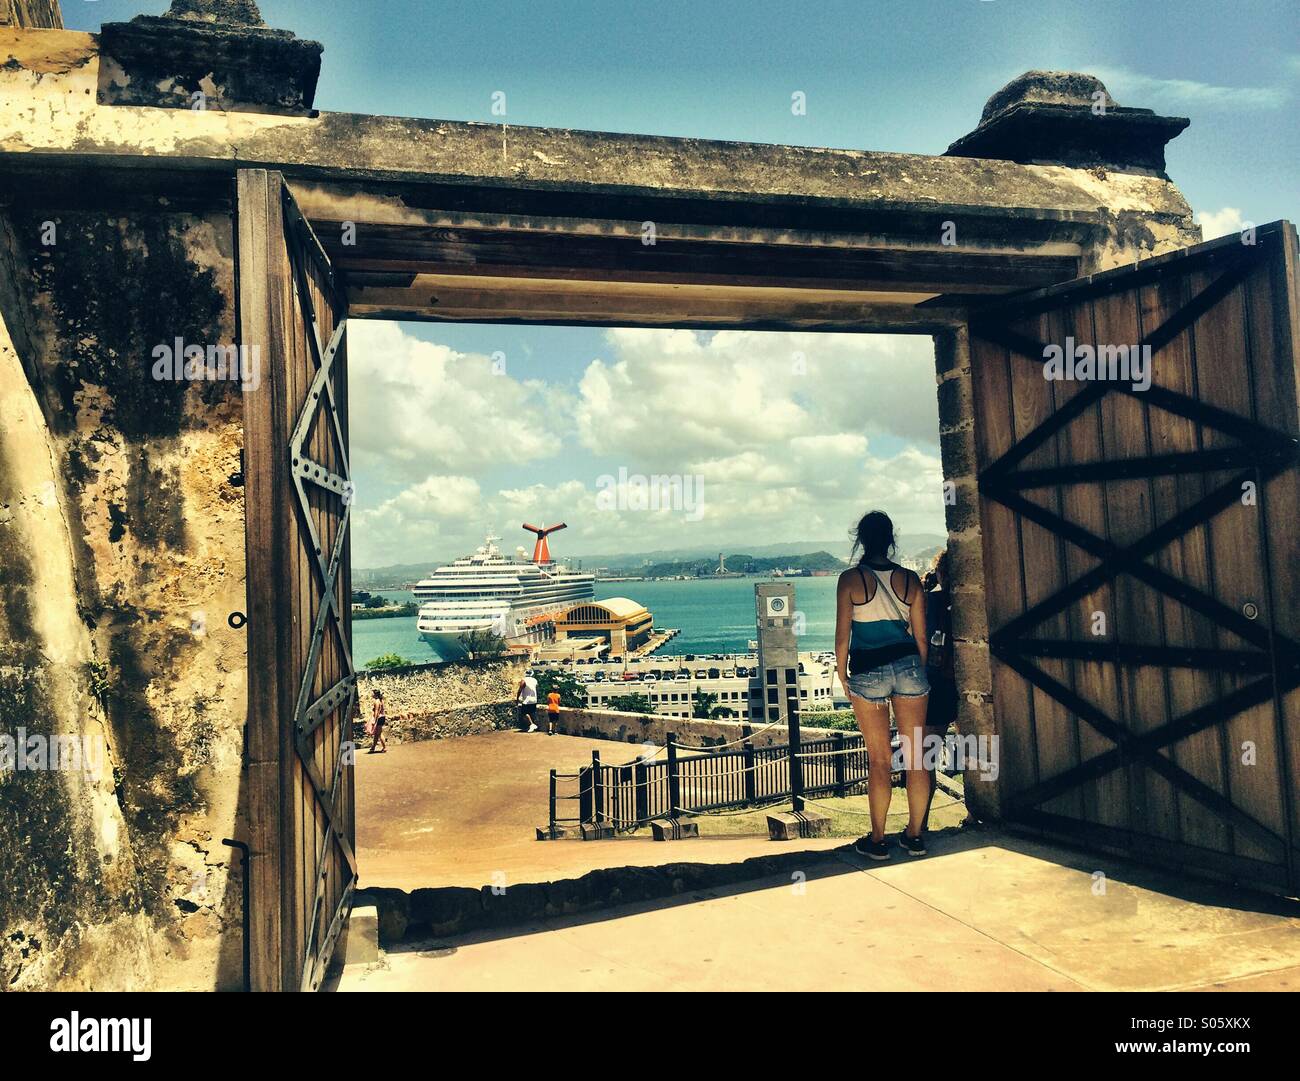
[873, 723]
[910, 716]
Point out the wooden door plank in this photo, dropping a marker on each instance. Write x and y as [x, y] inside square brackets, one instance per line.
[1187, 559]
[1136, 618]
[1224, 379]
[1273, 324]
[1003, 573]
[1043, 569]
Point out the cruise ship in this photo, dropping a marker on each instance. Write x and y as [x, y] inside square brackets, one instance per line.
[488, 591]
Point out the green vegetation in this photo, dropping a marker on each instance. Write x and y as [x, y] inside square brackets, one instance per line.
[631, 703]
[842, 719]
[388, 660]
[704, 706]
[481, 644]
[572, 693]
[410, 608]
[98, 681]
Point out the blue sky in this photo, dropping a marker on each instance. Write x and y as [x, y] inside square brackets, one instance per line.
[905, 75]
[899, 75]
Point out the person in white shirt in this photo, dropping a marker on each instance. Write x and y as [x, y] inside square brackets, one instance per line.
[526, 697]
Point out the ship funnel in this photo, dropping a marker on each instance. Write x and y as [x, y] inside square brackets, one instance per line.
[542, 550]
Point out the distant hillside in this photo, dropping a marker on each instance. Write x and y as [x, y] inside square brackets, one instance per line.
[398, 574]
[783, 554]
[746, 563]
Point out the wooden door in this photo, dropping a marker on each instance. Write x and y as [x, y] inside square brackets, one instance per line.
[1142, 560]
[302, 685]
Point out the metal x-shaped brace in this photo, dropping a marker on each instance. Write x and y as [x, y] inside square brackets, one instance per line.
[310, 715]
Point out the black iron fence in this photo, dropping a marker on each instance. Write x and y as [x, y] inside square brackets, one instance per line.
[676, 780]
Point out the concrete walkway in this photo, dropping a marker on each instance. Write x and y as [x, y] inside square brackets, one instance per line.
[984, 912]
[463, 812]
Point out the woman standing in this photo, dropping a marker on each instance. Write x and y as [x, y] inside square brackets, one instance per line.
[880, 650]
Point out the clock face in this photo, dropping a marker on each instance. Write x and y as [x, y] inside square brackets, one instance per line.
[776, 605]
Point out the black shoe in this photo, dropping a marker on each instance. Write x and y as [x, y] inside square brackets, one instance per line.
[915, 846]
[873, 850]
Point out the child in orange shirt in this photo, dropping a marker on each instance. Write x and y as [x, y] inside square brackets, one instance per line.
[552, 711]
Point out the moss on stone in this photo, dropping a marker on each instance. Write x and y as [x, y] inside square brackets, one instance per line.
[119, 288]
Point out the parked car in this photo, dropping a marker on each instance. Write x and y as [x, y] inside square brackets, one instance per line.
[700, 673]
[669, 677]
[599, 677]
[728, 673]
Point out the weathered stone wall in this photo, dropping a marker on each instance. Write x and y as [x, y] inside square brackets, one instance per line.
[639, 728]
[440, 701]
[121, 556]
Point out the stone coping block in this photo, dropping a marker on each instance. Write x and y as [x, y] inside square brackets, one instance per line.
[791, 825]
[673, 829]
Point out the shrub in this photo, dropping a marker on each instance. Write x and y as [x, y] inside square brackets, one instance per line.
[631, 703]
[388, 660]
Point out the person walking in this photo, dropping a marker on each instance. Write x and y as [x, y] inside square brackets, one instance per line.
[379, 718]
[552, 711]
[880, 653]
[526, 699]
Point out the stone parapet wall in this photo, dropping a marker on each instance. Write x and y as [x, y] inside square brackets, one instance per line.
[638, 728]
[441, 701]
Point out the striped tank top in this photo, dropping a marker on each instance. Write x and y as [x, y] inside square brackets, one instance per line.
[881, 627]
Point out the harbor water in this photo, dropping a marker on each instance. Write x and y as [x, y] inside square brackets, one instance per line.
[714, 615]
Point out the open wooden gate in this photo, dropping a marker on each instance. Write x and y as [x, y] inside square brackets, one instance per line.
[1142, 560]
[301, 683]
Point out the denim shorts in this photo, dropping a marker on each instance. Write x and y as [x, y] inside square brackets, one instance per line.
[904, 678]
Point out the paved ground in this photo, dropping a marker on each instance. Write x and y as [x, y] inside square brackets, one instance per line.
[456, 812]
[985, 912]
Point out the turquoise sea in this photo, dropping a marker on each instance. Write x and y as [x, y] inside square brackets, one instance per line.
[714, 615]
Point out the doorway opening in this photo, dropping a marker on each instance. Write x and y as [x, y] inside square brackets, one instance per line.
[684, 467]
